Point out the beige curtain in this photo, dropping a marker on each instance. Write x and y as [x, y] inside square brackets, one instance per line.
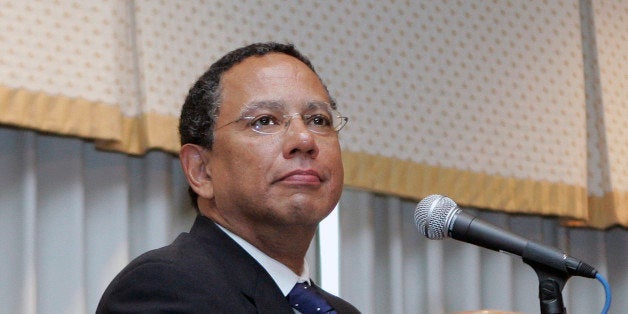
[489, 102]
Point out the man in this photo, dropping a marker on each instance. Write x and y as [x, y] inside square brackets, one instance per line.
[260, 151]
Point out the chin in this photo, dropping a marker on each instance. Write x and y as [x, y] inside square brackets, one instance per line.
[306, 215]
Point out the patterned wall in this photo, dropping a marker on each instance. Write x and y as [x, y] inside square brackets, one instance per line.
[79, 49]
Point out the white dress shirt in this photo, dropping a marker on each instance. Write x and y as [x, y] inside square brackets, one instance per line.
[283, 276]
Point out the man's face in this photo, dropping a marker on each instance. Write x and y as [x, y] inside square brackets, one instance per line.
[290, 178]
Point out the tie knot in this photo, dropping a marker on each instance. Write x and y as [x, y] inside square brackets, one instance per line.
[307, 300]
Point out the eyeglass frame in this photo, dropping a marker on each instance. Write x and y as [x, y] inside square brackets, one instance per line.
[286, 124]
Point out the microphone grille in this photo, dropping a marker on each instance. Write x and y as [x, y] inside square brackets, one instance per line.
[432, 216]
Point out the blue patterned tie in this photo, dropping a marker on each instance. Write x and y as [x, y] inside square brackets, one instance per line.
[306, 300]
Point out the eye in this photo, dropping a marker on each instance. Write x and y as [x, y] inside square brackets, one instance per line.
[319, 120]
[264, 123]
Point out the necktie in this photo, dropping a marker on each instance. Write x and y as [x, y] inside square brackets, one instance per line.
[306, 300]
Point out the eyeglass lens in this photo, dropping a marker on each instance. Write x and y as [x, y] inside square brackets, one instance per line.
[271, 118]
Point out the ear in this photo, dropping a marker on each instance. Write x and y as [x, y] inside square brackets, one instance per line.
[194, 161]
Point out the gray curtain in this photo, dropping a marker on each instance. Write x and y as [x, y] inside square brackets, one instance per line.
[71, 217]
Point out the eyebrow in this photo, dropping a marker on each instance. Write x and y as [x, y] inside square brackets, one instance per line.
[318, 104]
[265, 104]
[280, 105]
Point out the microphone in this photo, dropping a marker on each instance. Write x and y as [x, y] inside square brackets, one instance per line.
[438, 217]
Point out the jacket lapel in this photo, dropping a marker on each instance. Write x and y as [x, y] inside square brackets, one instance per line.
[256, 285]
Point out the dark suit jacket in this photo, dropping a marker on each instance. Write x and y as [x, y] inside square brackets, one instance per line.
[203, 271]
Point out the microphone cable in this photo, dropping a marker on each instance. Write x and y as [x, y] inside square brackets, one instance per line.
[607, 290]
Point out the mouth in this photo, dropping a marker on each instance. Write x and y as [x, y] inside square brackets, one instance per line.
[302, 177]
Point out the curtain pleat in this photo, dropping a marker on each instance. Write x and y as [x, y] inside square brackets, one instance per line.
[60, 207]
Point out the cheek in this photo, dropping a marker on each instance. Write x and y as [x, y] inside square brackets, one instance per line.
[339, 174]
[334, 163]
[245, 159]
[334, 155]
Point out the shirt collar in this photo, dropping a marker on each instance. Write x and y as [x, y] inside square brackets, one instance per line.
[284, 277]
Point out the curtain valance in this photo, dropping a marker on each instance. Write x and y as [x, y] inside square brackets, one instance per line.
[507, 105]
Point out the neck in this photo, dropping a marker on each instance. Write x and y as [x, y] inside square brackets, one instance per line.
[285, 243]
[289, 248]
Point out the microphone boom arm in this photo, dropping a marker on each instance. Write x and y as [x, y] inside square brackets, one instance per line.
[551, 284]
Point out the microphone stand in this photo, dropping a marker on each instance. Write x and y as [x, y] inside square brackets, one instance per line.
[551, 284]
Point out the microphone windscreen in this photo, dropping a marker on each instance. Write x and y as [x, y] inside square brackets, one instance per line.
[433, 214]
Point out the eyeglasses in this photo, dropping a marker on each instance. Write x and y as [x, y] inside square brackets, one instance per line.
[320, 121]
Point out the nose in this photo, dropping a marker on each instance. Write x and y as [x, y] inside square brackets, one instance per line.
[298, 140]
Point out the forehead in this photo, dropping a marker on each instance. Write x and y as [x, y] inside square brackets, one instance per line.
[276, 77]
[268, 64]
